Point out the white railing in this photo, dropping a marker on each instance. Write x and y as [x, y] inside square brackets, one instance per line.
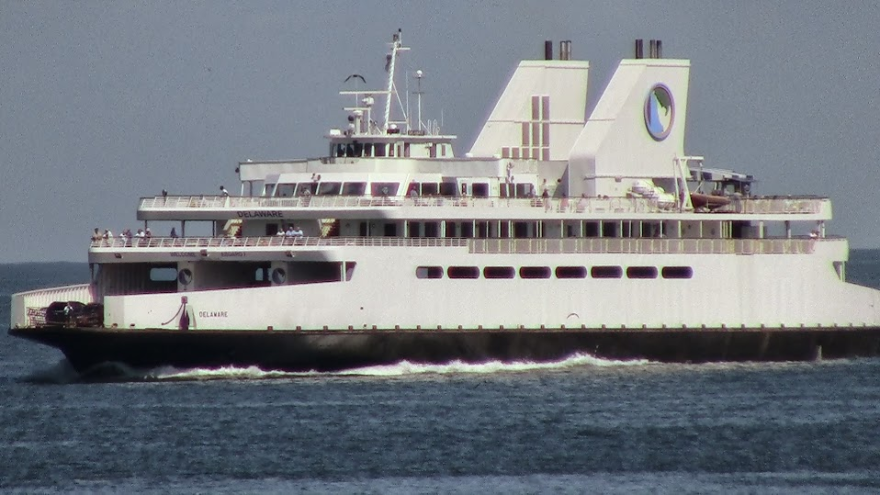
[644, 246]
[274, 241]
[803, 245]
[29, 308]
[763, 205]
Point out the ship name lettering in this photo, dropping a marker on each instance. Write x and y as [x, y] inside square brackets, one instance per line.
[232, 253]
[213, 314]
[260, 214]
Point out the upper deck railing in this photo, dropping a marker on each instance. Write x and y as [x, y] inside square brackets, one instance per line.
[779, 245]
[749, 205]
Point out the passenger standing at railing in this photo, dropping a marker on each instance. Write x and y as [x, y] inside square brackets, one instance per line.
[297, 232]
[225, 194]
[582, 203]
[173, 233]
[563, 205]
[97, 235]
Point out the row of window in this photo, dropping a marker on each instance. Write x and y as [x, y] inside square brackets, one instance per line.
[539, 272]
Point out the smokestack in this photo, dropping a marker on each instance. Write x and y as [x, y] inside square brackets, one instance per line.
[652, 49]
[640, 49]
[548, 50]
[565, 50]
[659, 51]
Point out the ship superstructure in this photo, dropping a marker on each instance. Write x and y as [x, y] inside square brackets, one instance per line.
[556, 233]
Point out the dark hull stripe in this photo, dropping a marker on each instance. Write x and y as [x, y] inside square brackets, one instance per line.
[337, 350]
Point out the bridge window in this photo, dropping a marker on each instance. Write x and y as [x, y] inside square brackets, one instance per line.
[284, 190]
[480, 190]
[329, 188]
[354, 188]
[379, 189]
[306, 188]
[448, 189]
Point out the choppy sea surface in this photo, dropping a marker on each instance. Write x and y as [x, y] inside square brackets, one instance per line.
[582, 425]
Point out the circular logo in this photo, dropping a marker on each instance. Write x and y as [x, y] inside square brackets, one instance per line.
[659, 112]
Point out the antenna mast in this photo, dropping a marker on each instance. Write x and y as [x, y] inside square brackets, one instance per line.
[391, 60]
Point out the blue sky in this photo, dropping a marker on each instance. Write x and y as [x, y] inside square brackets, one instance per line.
[104, 102]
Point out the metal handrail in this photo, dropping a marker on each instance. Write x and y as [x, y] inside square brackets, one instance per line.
[750, 205]
[796, 245]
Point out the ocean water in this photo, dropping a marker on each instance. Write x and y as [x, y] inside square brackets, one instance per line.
[578, 426]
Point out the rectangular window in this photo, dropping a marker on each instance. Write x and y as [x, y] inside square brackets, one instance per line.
[534, 272]
[483, 230]
[480, 190]
[284, 190]
[166, 274]
[451, 229]
[448, 189]
[329, 188]
[521, 230]
[606, 272]
[432, 229]
[349, 270]
[463, 272]
[467, 229]
[381, 189]
[641, 272]
[677, 272]
[306, 188]
[498, 272]
[430, 189]
[609, 229]
[571, 272]
[354, 188]
[429, 272]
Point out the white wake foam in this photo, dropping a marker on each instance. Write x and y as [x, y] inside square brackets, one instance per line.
[403, 368]
[458, 367]
[63, 373]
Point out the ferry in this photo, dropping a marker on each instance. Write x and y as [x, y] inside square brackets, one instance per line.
[559, 232]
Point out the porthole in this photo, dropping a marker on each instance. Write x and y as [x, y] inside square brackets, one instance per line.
[185, 276]
[279, 276]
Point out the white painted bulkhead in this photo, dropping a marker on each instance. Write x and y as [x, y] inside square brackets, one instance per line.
[732, 291]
